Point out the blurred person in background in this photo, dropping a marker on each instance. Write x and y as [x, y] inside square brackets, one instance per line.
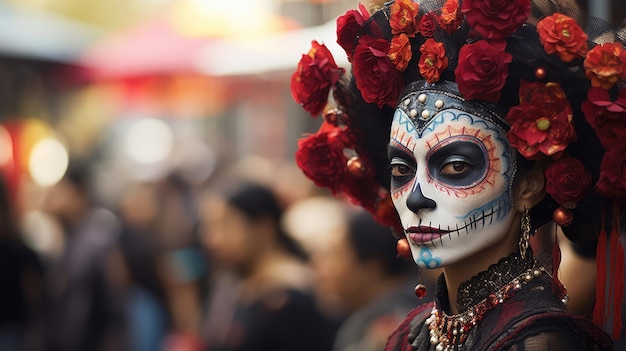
[261, 298]
[181, 264]
[133, 265]
[316, 222]
[21, 283]
[360, 265]
[84, 309]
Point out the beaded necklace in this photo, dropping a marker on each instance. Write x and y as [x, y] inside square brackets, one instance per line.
[478, 296]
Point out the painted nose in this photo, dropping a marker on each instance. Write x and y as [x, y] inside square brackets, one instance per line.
[417, 201]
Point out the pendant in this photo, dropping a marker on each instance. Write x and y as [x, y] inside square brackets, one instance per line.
[420, 291]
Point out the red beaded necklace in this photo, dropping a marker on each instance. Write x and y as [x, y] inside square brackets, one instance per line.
[449, 333]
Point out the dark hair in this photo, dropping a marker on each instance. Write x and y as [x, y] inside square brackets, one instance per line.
[371, 124]
[257, 201]
[373, 241]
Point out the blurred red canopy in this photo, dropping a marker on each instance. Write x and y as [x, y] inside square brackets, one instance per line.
[151, 48]
[172, 43]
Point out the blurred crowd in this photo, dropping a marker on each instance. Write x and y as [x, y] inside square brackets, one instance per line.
[257, 258]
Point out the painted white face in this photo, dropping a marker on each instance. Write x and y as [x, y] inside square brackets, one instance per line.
[451, 185]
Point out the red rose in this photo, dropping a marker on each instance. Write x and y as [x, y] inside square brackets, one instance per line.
[606, 117]
[496, 19]
[433, 60]
[348, 26]
[610, 127]
[376, 76]
[542, 123]
[321, 157]
[451, 16]
[428, 24]
[567, 180]
[612, 182]
[605, 65]
[482, 70]
[403, 17]
[317, 72]
[400, 52]
[562, 35]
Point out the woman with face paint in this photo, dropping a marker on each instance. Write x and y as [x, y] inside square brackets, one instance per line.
[465, 126]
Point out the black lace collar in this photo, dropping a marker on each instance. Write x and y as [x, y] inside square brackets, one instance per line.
[480, 286]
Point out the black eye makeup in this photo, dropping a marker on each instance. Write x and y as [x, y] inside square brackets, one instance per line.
[402, 166]
[458, 163]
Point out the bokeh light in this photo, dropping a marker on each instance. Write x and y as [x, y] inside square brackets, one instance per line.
[6, 146]
[149, 141]
[48, 162]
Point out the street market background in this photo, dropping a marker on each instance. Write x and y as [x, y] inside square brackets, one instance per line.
[143, 87]
[160, 92]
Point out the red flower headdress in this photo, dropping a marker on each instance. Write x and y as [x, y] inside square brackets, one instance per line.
[564, 90]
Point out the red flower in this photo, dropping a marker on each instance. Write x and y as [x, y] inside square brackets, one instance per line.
[541, 126]
[562, 35]
[376, 76]
[317, 72]
[428, 24]
[522, 122]
[385, 213]
[348, 26]
[482, 70]
[605, 65]
[451, 16]
[567, 180]
[496, 19]
[601, 97]
[550, 96]
[321, 157]
[400, 52]
[433, 60]
[606, 117]
[403, 17]
[359, 186]
[612, 182]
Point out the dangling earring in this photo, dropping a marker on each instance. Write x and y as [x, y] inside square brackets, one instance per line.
[420, 290]
[524, 240]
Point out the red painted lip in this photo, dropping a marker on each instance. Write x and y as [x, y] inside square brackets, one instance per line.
[424, 234]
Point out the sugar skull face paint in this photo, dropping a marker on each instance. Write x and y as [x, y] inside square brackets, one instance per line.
[451, 183]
